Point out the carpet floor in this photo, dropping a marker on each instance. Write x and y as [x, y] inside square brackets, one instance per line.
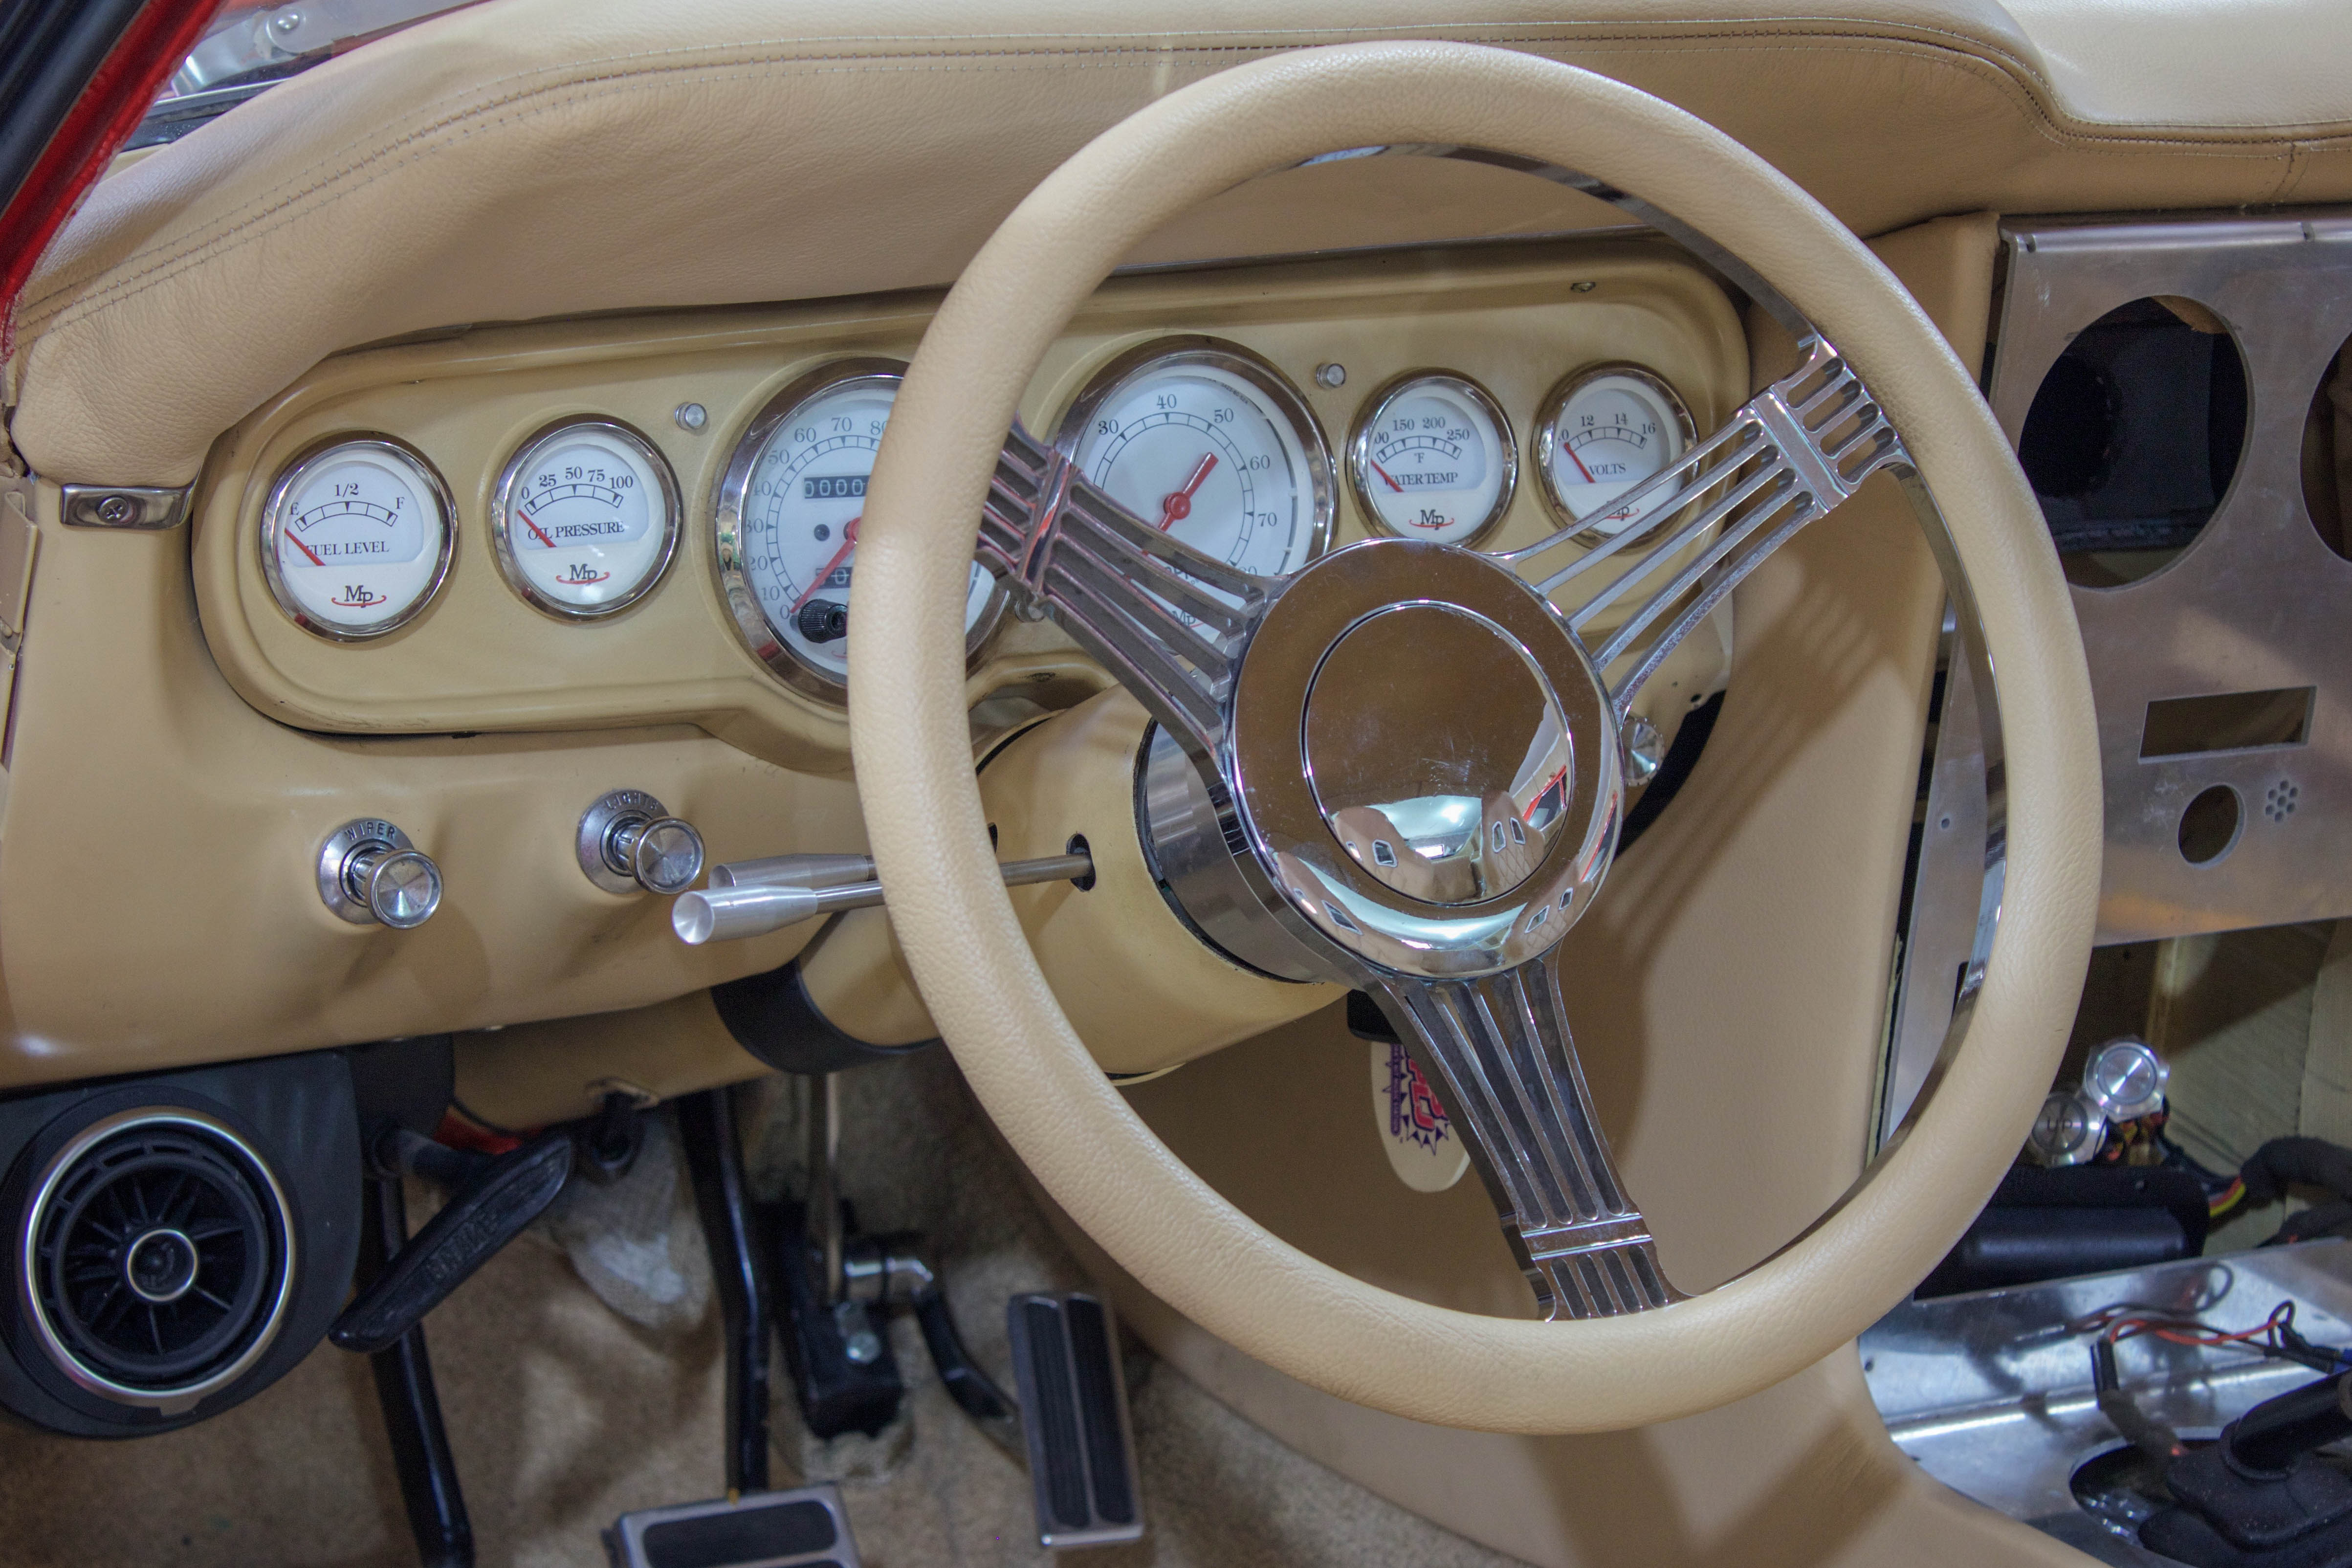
[562, 1415]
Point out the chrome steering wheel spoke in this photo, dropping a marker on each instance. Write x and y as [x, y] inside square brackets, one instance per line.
[1501, 1050]
[1169, 621]
[1790, 455]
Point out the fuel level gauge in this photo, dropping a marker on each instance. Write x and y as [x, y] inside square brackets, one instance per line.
[1432, 457]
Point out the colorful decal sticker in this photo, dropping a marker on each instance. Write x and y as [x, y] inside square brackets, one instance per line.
[1423, 1148]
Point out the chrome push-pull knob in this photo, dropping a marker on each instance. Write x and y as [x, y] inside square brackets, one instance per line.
[370, 874]
[629, 841]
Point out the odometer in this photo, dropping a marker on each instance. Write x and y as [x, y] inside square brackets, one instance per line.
[789, 507]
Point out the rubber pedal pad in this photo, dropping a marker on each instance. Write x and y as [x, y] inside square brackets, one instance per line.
[805, 1528]
[1073, 1418]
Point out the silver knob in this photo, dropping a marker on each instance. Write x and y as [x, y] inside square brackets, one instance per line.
[629, 841]
[370, 874]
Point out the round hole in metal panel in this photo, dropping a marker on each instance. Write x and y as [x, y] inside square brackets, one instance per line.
[2133, 436]
[2328, 455]
[2209, 828]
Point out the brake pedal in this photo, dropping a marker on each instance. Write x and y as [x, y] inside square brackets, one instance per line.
[1073, 1414]
[803, 1528]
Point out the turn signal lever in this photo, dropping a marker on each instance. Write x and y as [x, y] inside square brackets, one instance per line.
[753, 898]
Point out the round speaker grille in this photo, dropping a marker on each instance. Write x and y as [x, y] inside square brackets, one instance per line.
[156, 1257]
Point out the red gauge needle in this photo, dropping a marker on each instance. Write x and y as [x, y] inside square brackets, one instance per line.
[1391, 483]
[848, 543]
[307, 551]
[535, 528]
[1580, 464]
[1177, 505]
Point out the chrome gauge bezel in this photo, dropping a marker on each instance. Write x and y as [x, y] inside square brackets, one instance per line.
[1375, 408]
[1546, 434]
[732, 491]
[502, 497]
[281, 497]
[1217, 353]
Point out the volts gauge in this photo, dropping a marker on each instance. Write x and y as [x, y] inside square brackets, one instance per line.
[1432, 457]
[356, 537]
[1602, 432]
[1209, 443]
[584, 520]
[789, 507]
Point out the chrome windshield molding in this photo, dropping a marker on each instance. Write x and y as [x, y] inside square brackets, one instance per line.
[1790, 455]
[140, 507]
[1500, 1047]
[1169, 621]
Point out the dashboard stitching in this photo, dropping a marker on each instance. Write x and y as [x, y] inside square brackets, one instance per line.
[481, 117]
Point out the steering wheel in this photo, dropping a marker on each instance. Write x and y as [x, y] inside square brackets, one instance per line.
[1273, 689]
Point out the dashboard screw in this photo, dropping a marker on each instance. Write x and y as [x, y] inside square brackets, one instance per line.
[1332, 376]
[117, 510]
[691, 416]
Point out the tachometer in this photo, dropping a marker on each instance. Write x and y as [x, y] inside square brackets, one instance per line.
[356, 538]
[1433, 458]
[1600, 432]
[585, 518]
[788, 510]
[1211, 443]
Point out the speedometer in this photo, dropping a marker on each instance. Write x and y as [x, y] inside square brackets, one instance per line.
[1209, 443]
[789, 507]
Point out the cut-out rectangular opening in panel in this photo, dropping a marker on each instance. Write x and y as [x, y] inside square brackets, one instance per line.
[2226, 721]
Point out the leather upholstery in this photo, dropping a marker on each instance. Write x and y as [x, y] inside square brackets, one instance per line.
[526, 158]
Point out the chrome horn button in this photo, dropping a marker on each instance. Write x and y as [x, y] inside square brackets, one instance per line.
[1404, 694]
[1437, 752]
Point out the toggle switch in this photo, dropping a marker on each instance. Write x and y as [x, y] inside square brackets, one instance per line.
[370, 874]
[629, 842]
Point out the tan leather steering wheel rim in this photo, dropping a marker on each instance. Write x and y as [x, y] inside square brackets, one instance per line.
[966, 949]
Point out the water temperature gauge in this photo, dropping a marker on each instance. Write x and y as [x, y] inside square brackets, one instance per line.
[1602, 432]
[1433, 458]
[356, 538]
[585, 518]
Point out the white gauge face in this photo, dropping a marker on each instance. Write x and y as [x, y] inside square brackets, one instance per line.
[1604, 434]
[1211, 446]
[1434, 458]
[804, 495]
[356, 539]
[586, 519]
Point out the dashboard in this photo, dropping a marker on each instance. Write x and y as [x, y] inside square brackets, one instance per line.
[642, 518]
[481, 689]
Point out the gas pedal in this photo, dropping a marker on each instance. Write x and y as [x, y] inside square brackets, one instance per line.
[799, 1529]
[1073, 1415]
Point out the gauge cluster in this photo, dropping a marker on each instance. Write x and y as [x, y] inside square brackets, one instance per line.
[617, 522]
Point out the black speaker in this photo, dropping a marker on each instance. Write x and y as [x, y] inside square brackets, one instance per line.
[177, 1242]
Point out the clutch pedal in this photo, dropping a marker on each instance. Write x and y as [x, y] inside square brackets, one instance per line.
[799, 1529]
[1073, 1415]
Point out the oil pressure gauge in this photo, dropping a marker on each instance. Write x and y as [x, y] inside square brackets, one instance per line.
[1603, 432]
[585, 518]
[1433, 458]
[356, 538]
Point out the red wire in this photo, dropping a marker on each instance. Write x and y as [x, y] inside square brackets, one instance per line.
[111, 105]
